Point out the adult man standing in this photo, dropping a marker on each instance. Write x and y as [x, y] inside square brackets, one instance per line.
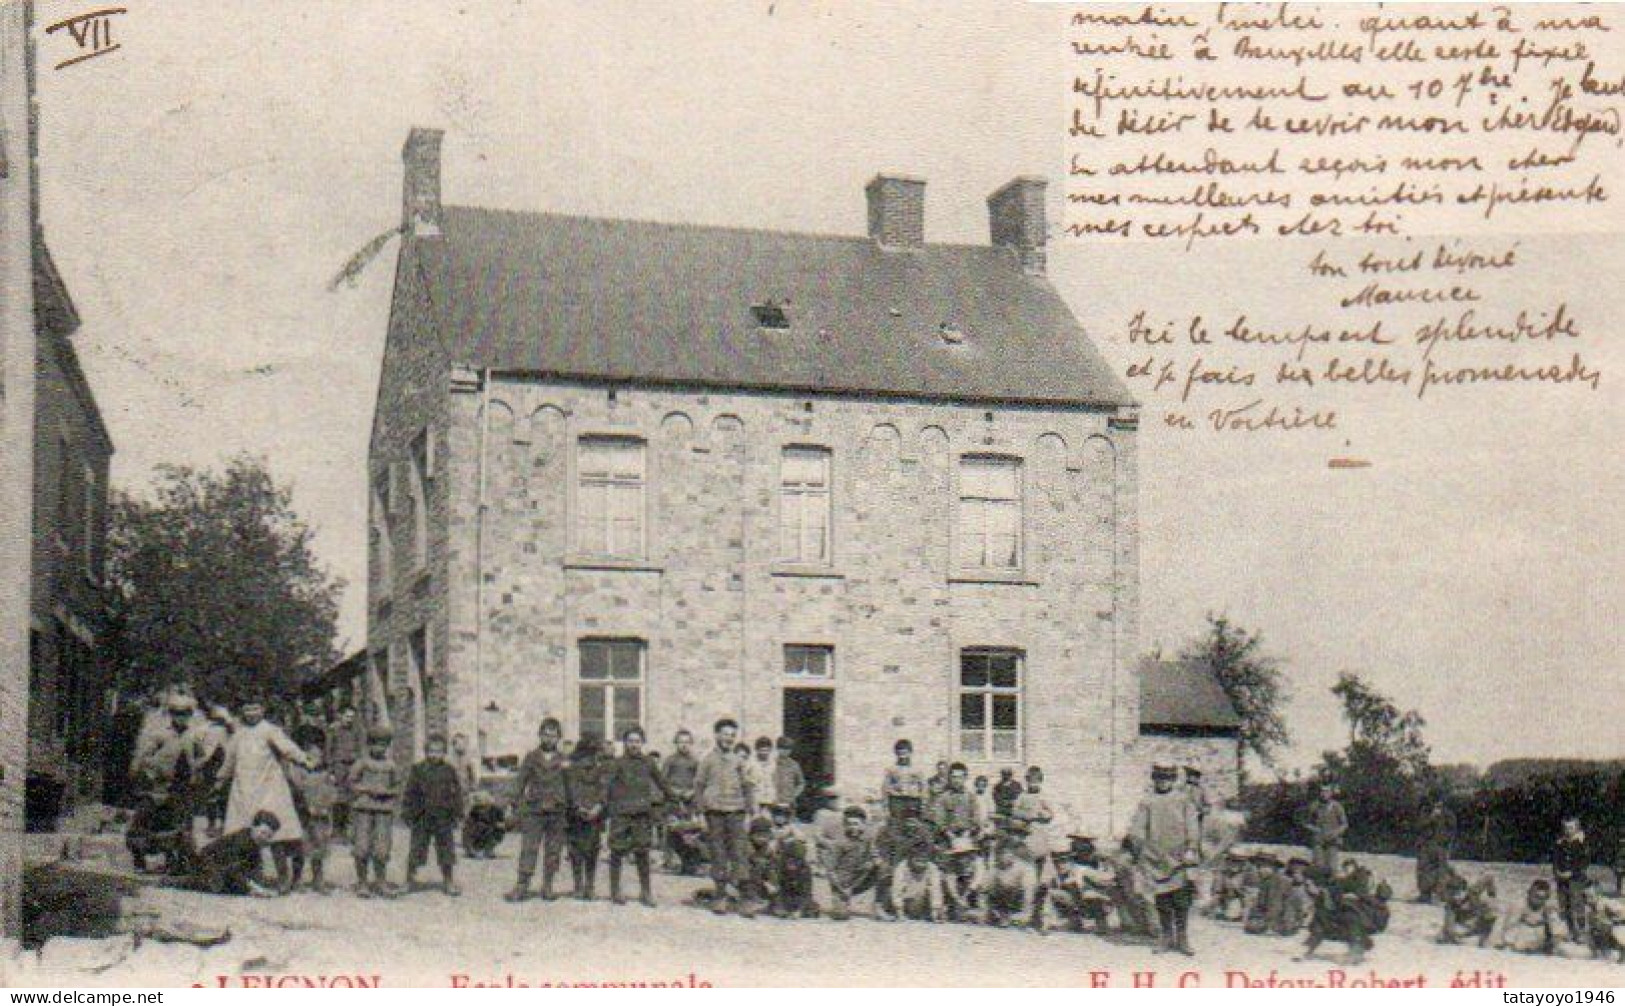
[725, 794]
[1433, 854]
[168, 762]
[1165, 834]
[1327, 824]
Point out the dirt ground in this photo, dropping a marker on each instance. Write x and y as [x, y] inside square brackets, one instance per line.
[427, 939]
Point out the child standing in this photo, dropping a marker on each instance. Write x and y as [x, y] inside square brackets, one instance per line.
[1570, 861]
[316, 795]
[634, 792]
[375, 789]
[903, 789]
[432, 807]
[542, 802]
[585, 781]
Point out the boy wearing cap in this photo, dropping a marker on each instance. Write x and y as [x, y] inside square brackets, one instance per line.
[375, 790]
[1327, 823]
[542, 800]
[792, 868]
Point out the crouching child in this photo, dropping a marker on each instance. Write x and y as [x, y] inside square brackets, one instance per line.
[851, 862]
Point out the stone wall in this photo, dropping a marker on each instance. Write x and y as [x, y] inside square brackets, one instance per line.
[1217, 757]
[714, 606]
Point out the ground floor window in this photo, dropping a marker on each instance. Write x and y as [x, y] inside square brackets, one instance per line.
[990, 704]
[610, 686]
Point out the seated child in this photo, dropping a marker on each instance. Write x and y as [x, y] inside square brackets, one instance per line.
[484, 826]
[792, 867]
[1607, 916]
[1269, 896]
[234, 864]
[1469, 909]
[1536, 926]
[916, 886]
[851, 862]
[1347, 910]
[1009, 889]
[762, 868]
[1084, 888]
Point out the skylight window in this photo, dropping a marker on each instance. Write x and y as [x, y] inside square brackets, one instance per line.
[770, 315]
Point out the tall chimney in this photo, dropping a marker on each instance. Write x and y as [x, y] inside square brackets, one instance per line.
[1015, 215]
[896, 211]
[420, 193]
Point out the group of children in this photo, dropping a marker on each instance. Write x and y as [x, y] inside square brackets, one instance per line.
[1566, 915]
[1270, 895]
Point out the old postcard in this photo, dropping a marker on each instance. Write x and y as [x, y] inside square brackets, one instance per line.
[811, 493]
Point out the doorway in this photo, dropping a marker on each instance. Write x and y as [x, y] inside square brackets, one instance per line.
[809, 722]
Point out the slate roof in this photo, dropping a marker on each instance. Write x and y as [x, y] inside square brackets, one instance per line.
[1183, 694]
[577, 297]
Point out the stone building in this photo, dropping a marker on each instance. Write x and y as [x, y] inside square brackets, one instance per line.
[16, 438]
[69, 681]
[843, 488]
[57, 450]
[1186, 719]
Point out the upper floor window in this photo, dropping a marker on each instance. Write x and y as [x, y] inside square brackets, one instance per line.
[804, 505]
[990, 704]
[609, 501]
[989, 531]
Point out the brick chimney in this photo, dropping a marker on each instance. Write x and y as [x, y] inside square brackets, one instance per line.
[1015, 215]
[420, 193]
[896, 211]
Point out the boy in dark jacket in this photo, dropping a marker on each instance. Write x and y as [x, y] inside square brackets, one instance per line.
[634, 793]
[584, 778]
[432, 806]
[1571, 861]
[542, 802]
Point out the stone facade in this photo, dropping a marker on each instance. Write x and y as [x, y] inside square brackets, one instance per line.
[505, 596]
[1217, 755]
[16, 439]
[69, 682]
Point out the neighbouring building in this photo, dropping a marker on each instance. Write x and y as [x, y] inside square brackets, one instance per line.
[60, 719]
[16, 438]
[69, 682]
[1186, 719]
[844, 488]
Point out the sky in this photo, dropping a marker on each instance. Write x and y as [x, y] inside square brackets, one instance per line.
[204, 184]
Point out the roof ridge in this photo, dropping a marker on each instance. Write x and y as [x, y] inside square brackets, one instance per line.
[690, 226]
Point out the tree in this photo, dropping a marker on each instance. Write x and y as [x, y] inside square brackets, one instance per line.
[1375, 722]
[1250, 678]
[213, 581]
[1384, 774]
